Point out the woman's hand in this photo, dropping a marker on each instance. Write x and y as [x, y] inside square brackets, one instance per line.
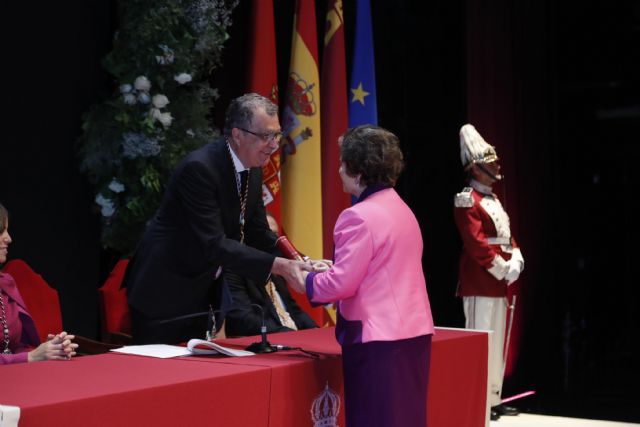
[320, 265]
[57, 347]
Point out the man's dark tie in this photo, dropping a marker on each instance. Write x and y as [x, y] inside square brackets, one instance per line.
[243, 180]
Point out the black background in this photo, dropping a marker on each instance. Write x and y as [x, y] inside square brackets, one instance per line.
[573, 70]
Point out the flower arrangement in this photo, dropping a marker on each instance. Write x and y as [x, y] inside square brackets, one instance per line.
[163, 54]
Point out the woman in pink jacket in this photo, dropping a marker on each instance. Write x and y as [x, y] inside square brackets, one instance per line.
[384, 319]
[19, 340]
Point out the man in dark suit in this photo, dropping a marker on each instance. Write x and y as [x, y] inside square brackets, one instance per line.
[245, 319]
[211, 219]
[275, 305]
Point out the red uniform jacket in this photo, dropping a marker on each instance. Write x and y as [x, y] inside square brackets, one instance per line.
[487, 244]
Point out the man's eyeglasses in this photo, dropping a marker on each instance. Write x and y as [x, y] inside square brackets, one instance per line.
[266, 137]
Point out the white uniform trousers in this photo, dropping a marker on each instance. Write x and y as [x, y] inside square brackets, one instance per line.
[490, 314]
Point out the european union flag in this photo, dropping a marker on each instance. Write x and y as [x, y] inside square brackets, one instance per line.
[362, 90]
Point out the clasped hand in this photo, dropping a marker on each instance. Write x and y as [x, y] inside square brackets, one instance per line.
[320, 265]
[295, 272]
[57, 347]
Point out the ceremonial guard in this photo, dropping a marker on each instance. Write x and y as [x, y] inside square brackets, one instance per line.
[490, 260]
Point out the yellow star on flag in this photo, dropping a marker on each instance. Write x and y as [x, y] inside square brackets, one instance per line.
[359, 94]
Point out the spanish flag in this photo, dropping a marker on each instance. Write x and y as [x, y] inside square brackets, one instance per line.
[263, 79]
[301, 174]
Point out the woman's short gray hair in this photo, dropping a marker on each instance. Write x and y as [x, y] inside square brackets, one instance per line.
[373, 153]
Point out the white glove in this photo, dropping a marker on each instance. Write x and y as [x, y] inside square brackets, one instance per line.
[514, 271]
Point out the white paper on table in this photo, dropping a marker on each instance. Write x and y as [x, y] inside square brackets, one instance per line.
[9, 416]
[162, 351]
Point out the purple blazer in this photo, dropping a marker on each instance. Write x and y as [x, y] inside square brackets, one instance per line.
[22, 328]
[377, 279]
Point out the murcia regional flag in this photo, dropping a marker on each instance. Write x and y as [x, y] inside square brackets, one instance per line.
[334, 122]
[263, 79]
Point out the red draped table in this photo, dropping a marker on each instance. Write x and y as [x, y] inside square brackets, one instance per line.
[282, 389]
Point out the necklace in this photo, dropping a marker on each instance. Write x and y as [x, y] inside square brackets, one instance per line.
[5, 326]
[242, 192]
[283, 314]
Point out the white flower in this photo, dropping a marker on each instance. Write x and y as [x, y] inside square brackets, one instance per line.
[129, 98]
[106, 205]
[142, 83]
[125, 88]
[183, 78]
[143, 97]
[191, 133]
[160, 101]
[116, 186]
[164, 118]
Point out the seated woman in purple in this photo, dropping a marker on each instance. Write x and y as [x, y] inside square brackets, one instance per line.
[384, 317]
[19, 340]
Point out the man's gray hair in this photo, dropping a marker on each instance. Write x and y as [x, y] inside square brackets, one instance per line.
[240, 111]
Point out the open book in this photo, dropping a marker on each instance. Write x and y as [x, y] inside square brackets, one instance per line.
[197, 346]
[194, 347]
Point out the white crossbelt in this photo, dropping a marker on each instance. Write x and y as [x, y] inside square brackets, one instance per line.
[499, 240]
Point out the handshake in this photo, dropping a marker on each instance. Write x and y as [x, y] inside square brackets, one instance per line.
[320, 265]
[295, 271]
[296, 268]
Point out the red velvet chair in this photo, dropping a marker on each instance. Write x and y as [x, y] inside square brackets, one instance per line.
[42, 301]
[114, 309]
[43, 305]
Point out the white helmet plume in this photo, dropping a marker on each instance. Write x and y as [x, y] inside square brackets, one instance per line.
[474, 149]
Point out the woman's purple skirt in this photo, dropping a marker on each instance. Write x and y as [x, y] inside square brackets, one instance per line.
[385, 382]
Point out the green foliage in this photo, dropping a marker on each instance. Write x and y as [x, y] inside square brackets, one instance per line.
[163, 54]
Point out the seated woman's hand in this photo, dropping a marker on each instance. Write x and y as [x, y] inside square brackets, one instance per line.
[57, 347]
[66, 340]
